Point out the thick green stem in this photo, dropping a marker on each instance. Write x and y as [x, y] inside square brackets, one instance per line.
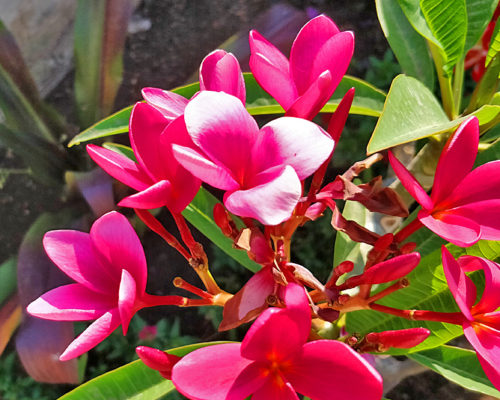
[444, 83]
[458, 84]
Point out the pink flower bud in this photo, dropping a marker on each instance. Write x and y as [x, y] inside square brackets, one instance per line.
[401, 339]
[158, 360]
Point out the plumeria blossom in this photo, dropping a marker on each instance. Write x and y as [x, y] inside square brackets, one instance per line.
[319, 59]
[260, 170]
[275, 361]
[109, 267]
[464, 205]
[481, 322]
[154, 126]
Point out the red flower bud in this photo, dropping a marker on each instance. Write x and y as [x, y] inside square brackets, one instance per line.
[401, 339]
[222, 219]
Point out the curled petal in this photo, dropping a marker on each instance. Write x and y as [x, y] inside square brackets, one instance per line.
[73, 302]
[209, 373]
[309, 104]
[221, 126]
[456, 229]
[306, 46]
[271, 70]
[127, 295]
[490, 300]
[296, 142]
[170, 104]
[329, 366]
[410, 183]
[339, 117]
[73, 253]
[155, 196]
[119, 167]
[118, 245]
[456, 160]
[271, 202]
[99, 330]
[484, 213]
[221, 72]
[461, 286]
[215, 175]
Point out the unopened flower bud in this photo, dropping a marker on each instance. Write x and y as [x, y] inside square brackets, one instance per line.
[401, 339]
[328, 314]
[222, 219]
[158, 360]
[408, 247]
[383, 242]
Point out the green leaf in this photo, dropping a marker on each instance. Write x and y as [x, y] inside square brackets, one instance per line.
[479, 13]
[409, 47]
[199, 213]
[487, 86]
[428, 290]
[492, 153]
[8, 278]
[447, 20]
[458, 365]
[410, 112]
[100, 31]
[345, 248]
[133, 381]
[494, 44]
[121, 149]
[415, 16]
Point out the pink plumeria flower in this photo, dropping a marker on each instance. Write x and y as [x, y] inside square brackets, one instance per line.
[260, 170]
[154, 126]
[464, 205]
[110, 271]
[319, 59]
[481, 322]
[275, 361]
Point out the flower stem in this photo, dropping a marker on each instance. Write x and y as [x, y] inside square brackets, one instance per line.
[408, 230]
[456, 318]
[156, 226]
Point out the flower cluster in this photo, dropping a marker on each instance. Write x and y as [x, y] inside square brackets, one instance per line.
[272, 178]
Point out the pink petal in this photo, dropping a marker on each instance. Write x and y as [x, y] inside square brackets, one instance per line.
[271, 70]
[410, 183]
[210, 372]
[119, 167]
[392, 269]
[334, 56]
[490, 300]
[146, 126]
[461, 286]
[221, 72]
[454, 228]
[155, 196]
[73, 302]
[309, 104]
[480, 184]
[99, 330]
[296, 142]
[274, 336]
[486, 214]
[275, 390]
[197, 164]
[126, 299]
[73, 253]
[255, 292]
[270, 202]
[330, 367]
[170, 104]
[250, 380]
[487, 345]
[306, 46]
[119, 247]
[297, 303]
[470, 263]
[221, 126]
[456, 160]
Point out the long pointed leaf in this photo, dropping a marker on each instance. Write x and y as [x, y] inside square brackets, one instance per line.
[458, 365]
[133, 381]
[409, 47]
[479, 13]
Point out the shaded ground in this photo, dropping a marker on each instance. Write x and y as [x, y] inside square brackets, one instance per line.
[182, 33]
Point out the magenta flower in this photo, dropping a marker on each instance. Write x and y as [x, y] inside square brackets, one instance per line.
[110, 270]
[259, 170]
[464, 205]
[275, 361]
[319, 59]
[154, 127]
[481, 322]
